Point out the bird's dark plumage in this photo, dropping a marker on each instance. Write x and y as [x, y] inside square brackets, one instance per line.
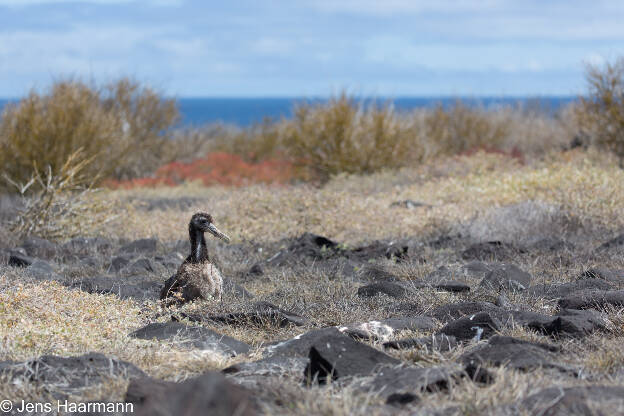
[197, 276]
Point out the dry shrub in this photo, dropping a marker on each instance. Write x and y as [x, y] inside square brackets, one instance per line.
[145, 118]
[534, 132]
[258, 142]
[61, 205]
[187, 143]
[461, 128]
[120, 126]
[601, 113]
[343, 136]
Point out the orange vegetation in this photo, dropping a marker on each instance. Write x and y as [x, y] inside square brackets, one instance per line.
[216, 168]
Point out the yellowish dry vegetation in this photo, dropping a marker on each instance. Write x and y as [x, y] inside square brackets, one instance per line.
[108, 123]
[601, 113]
[336, 143]
[47, 318]
[356, 208]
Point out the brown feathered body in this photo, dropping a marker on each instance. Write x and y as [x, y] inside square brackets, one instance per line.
[200, 280]
[197, 277]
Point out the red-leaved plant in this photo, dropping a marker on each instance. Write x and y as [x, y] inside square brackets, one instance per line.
[217, 168]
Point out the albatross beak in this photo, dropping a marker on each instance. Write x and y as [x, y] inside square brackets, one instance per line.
[215, 231]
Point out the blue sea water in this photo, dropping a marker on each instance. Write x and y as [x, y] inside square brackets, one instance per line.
[247, 111]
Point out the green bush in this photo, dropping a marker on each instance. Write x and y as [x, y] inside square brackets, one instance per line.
[122, 127]
[601, 113]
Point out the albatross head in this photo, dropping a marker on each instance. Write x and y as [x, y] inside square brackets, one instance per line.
[204, 223]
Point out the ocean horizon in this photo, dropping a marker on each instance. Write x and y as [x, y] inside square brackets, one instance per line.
[244, 112]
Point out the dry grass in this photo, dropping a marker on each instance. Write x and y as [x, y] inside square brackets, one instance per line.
[357, 208]
[62, 205]
[46, 318]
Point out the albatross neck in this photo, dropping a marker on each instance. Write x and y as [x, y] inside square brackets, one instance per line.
[199, 251]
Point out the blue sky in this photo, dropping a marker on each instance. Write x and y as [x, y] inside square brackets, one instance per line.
[311, 47]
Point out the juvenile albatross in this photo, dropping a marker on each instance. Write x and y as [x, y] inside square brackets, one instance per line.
[197, 276]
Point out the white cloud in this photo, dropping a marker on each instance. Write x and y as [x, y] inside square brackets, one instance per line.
[594, 59]
[83, 50]
[393, 7]
[492, 19]
[507, 57]
[272, 46]
[268, 48]
[25, 3]
[16, 3]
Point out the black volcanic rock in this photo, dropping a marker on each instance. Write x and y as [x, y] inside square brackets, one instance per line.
[593, 299]
[442, 279]
[378, 249]
[617, 242]
[477, 269]
[192, 336]
[570, 401]
[513, 353]
[119, 262]
[306, 247]
[438, 342]
[40, 248]
[506, 277]
[42, 270]
[317, 354]
[374, 273]
[565, 289]
[491, 251]
[452, 311]
[68, 375]
[17, 259]
[401, 385]
[385, 328]
[339, 357]
[314, 249]
[261, 313]
[551, 244]
[139, 266]
[611, 275]
[139, 289]
[472, 327]
[84, 246]
[391, 289]
[570, 323]
[208, 394]
[143, 246]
